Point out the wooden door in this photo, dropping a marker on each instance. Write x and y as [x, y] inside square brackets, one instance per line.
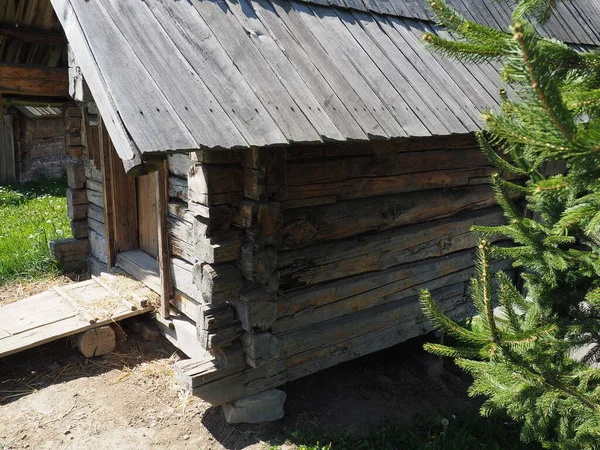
[147, 215]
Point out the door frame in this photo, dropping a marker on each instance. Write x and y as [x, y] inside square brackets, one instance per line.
[121, 217]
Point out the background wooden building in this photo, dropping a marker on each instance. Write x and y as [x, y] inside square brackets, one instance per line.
[287, 174]
[32, 75]
[37, 141]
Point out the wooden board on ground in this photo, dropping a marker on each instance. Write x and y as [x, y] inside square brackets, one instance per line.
[71, 309]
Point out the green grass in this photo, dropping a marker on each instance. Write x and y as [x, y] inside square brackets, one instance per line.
[467, 432]
[31, 215]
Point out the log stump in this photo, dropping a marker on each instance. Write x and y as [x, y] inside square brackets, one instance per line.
[97, 341]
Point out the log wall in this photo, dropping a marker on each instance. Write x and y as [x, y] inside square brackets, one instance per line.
[337, 241]
[40, 147]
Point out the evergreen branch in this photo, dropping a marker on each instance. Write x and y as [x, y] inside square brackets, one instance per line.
[496, 159]
[536, 84]
[440, 320]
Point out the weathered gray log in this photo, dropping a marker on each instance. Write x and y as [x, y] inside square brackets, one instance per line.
[77, 212]
[98, 246]
[96, 342]
[94, 186]
[191, 373]
[215, 184]
[212, 339]
[79, 229]
[216, 218]
[95, 198]
[71, 254]
[179, 164]
[209, 156]
[309, 225]
[75, 175]
[335, 299]
[265, 173]
[213, 317]
[260, 348]
[178, 188]
[219, 283]
[260, 266]
[96, 212]
[380, 251]
[256, 309]
[182, 278]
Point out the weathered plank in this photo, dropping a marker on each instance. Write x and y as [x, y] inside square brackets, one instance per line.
[206, 55]
[183, 280]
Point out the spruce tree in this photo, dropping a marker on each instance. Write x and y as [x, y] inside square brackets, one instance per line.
[521, 347]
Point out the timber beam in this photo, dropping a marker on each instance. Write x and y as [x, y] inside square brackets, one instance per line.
[32, 36]
[33, 81]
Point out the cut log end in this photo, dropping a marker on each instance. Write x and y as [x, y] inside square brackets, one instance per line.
[97, 341]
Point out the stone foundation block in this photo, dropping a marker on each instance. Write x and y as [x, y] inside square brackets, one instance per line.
[265, 406]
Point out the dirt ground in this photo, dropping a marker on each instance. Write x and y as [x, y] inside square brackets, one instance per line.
[54, 398]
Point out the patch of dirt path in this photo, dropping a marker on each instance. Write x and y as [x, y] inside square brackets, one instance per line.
[54, 398]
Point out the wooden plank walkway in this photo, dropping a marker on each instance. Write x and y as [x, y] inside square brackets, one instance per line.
[68, 310]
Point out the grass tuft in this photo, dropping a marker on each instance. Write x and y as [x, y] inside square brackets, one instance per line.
[31, 215]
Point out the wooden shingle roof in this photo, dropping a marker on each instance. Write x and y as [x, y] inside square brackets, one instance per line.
[181, 75]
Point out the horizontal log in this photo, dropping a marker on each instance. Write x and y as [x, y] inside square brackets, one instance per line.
[182, 279]
[215, 184]
[330, 192]
[213, 339]
[79, 229]
[306, 226]
[191, 373]
[256, 310]
[76, 196]
[33, 36]
[274, 373]
[219, 247]
[98, 246]
[95, 197]
[95, 225]
[77, 212]
[260, 348]
[75, 175]
[179, 210]
[189, 242]
[179, 164]
[220, 282]
[34, 81]
[91, 173]
[216, 218]
[96, 212]
[185, 304]
[380, 251]
[338, 298]
[213, 317]
[94, 185]
[62, 249]
[380, 148]
[353, 168]
[178, 188]
[214, 156]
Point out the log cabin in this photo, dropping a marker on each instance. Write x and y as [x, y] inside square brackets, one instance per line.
[286, 174]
